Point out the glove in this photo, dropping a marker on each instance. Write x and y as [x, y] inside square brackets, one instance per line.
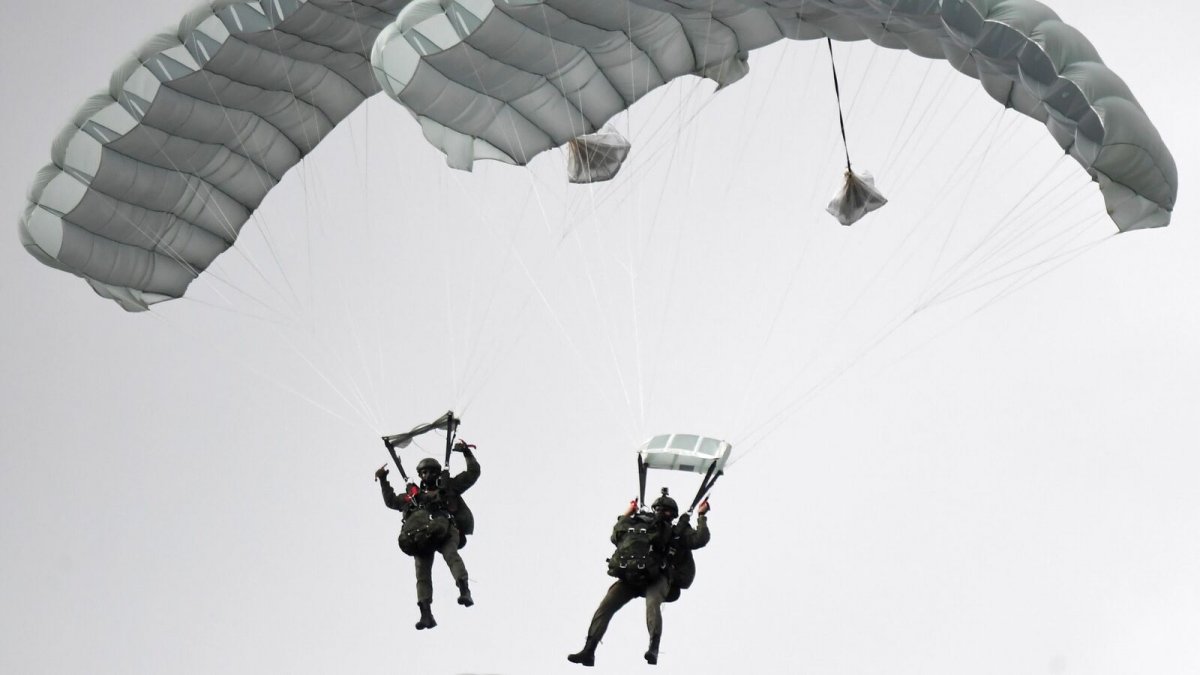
[462, 446]
[381, 473]
[704, 507]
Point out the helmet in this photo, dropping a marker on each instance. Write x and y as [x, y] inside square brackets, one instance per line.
[428, 464]
[665, 503]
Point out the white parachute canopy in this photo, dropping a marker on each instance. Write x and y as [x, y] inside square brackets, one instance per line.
[685, 452]
[447, 422]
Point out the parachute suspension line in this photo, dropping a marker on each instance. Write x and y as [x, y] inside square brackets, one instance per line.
[981, 281]
[241, 361]
[360, 408]
[954, 273]
[473, 366]
[893, 260]
[1068, 256]
[896, 151]
[866, 70]
[784, 48]
[931, 147]
[837, 92]
[773, 422]
[1027, 276]
[636, 413]
[979, 166]
[762, 350]
[1068, 206]
[550, 308]
[605, 329]
[793, 277]
[952, 184]
[1031, 272]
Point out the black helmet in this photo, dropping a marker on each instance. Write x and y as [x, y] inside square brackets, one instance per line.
[428, 464]
[665, 503]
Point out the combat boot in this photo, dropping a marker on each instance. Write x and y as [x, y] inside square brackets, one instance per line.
[652, 652]
[587, 655]
[427, 620]
[464, 593]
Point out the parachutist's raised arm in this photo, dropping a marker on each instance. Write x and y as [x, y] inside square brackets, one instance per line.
[390, 498]
[699, 536]
[467, 478]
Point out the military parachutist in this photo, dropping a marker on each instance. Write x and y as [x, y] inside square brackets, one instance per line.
[436, 519]
[653, 559]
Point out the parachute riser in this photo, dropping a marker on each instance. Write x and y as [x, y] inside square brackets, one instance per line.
[451, 432]
[706, 485]
[395, 458]
[641, 481]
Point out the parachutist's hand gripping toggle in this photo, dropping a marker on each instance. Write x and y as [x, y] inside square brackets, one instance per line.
[463, 447]
[704, 507]
[632, 508]
[381, 473]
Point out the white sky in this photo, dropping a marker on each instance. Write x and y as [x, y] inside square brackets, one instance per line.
[1002, 487]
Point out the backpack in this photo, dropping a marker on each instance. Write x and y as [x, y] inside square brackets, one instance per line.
[423, 532]
[638, 557]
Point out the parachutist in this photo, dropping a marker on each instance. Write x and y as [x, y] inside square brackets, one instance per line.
[436, 520]
[653, 559]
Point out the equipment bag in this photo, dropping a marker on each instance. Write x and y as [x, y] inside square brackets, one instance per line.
[423, 532]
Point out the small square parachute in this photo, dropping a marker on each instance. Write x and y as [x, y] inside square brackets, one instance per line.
[685, 452]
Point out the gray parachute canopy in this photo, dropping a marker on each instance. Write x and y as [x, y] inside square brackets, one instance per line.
[155, 177]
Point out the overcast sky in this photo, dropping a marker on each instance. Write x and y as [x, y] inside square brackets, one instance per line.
[990, 485]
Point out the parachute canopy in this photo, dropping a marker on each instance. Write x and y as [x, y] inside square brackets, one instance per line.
[685, 452]
[507, 79]
[447, 422]
[155, 177]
